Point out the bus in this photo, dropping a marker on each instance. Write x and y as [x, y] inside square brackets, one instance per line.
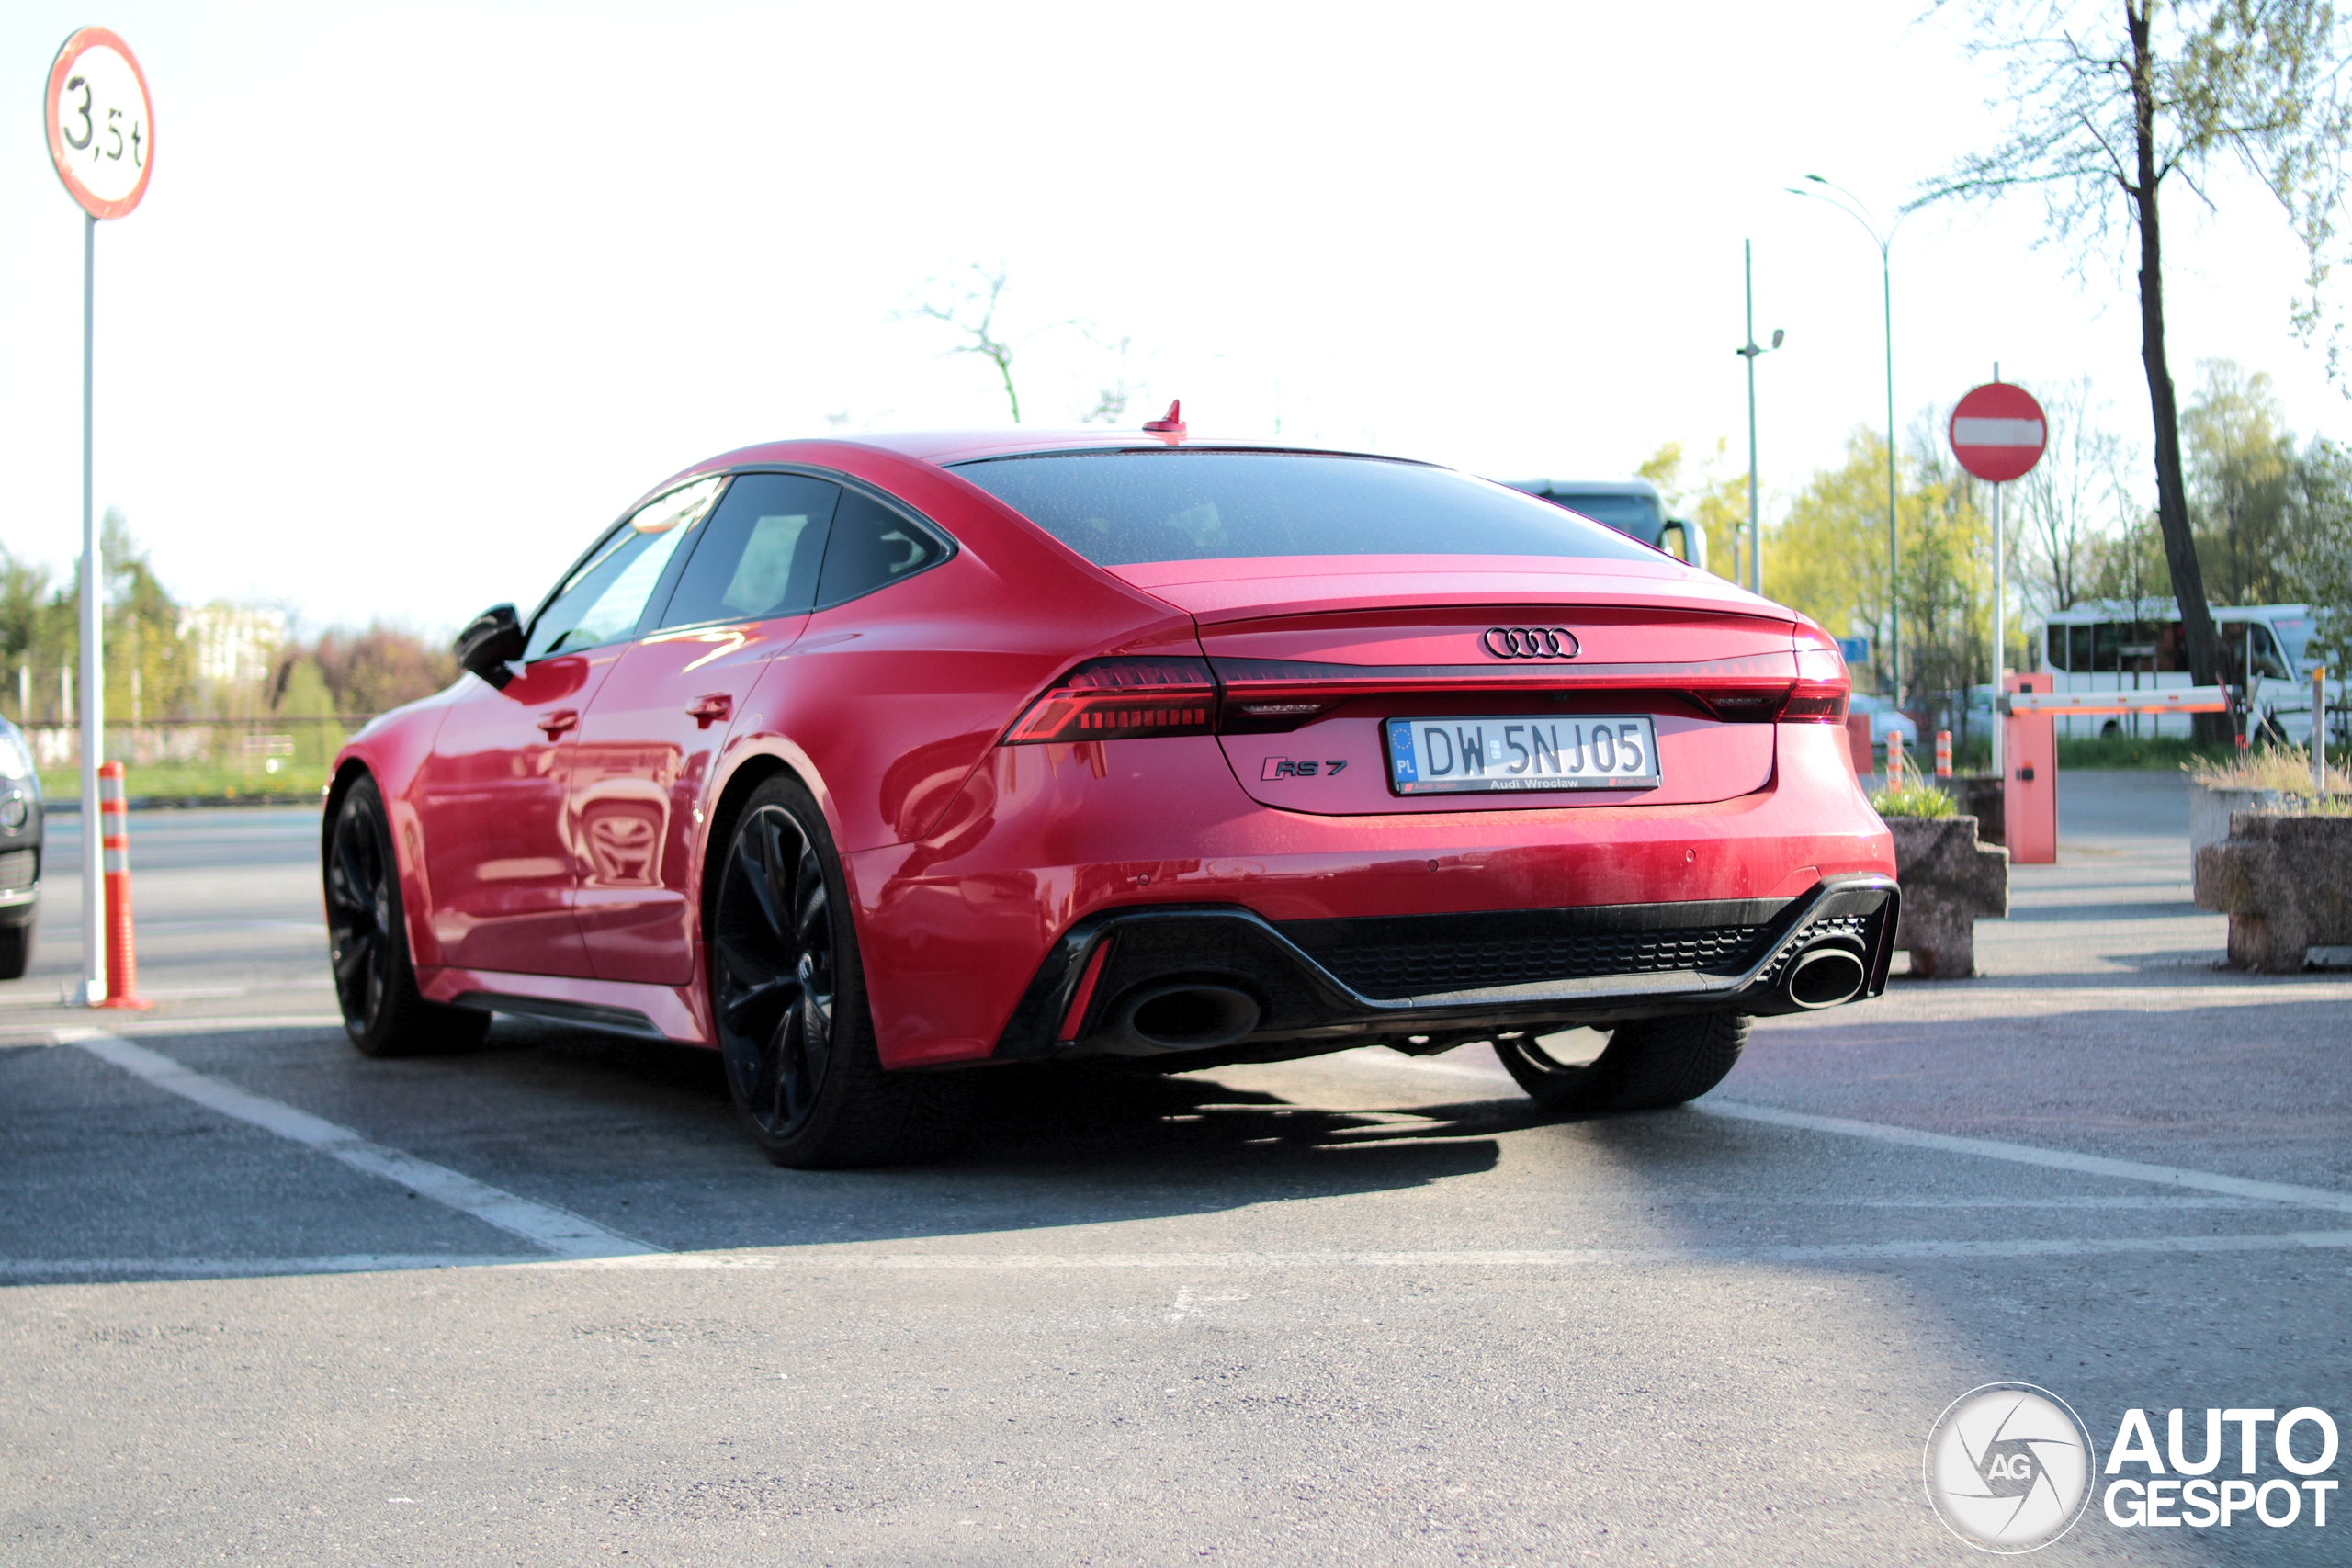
[1630, 506]
[2111, 645]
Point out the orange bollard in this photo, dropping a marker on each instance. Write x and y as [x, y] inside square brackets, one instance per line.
[1943, 753]
[1898, 765]
[114, 830]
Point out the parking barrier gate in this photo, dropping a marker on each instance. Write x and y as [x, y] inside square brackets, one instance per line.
[2030, 790]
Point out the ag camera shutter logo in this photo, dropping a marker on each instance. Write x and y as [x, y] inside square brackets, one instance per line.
[2009, 1467]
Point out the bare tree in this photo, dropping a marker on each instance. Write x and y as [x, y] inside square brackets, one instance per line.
[971, 308]
[971, 313]
[1110, 402]
[2112, 102]
[2069, 498]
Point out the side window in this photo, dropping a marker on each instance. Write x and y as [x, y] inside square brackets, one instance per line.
[604, 597]
[759, 554]
[2268, 662]
[872, 547]
[2057, 636]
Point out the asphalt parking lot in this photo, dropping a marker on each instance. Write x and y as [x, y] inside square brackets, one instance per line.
[262, 1300]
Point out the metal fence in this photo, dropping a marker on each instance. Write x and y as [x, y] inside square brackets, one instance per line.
[260, 747]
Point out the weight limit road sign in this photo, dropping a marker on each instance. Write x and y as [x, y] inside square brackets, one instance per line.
[1997, 433]
[101, 126]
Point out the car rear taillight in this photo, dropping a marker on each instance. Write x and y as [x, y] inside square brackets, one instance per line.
[1823, 686]
[1122, 699]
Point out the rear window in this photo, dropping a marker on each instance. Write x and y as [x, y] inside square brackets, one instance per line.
[1128, 508]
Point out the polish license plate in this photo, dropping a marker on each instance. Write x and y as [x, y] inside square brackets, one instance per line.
[1440, 756]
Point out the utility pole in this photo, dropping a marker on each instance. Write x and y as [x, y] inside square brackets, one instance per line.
[1849, 204]
[1750, 351]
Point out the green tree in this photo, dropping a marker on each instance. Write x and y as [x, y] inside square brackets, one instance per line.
[1839, 519]
[2107, 106]
[2241, 461]
[148, 671]
[1708, 495]
[2320, 569]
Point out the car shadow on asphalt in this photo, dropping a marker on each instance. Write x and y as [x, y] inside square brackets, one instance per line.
[1045, 1146]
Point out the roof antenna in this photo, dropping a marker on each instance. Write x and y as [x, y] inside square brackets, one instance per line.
[1170, 423]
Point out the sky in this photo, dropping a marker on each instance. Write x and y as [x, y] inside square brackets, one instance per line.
[422, 296]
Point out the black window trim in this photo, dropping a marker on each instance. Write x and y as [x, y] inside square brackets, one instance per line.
[950, 546]
[658, 602]
[661, 589]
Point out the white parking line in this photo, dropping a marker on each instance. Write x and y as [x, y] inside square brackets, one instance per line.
[2026, 1154]
[238, 1267]
[1943, 1143]
[557, 1230]
[1918, 1250]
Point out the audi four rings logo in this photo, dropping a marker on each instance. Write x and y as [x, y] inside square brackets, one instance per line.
[1530, 642]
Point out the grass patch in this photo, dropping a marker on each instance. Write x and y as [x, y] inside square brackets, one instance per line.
[303, 781]
[2287, 769]
[1913, 800]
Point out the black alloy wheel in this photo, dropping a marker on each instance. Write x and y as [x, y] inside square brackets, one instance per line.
[789, 995]
[1647, 1066]
[367, 942]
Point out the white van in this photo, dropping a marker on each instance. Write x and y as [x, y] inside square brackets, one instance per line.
[1630, 506]
[2116, 645]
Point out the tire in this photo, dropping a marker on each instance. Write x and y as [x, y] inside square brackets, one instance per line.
[16, 951]
[787, 994]
[375, 982]
[1647, 1065]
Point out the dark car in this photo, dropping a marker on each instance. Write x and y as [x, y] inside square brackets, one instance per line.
[864, 762]
[20, 847]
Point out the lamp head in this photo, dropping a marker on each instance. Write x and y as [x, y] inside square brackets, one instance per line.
[1777, 336]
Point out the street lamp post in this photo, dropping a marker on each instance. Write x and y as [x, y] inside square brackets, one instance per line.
[1853, 207]
[1750, 351]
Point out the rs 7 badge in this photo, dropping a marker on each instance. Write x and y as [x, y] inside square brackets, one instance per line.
[1283, 767]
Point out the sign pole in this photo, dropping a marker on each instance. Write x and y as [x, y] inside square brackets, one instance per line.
[94, 711]
[2000, 628]
[1997, 433]
[2000, 609]
[101, 136]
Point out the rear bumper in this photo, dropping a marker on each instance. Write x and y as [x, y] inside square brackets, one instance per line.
[956, 930]
[1328, 985]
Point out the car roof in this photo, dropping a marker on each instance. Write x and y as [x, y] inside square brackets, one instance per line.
[946, 446]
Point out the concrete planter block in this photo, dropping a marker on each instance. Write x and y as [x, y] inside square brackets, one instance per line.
[1950, 882]
[2286, 884]
[2209, 810]
[1980, 795]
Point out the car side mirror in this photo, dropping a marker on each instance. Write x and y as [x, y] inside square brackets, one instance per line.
[1694, 541]
[489, 647]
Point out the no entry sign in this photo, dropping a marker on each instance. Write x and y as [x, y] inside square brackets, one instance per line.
[101, 126]
[1997, 433]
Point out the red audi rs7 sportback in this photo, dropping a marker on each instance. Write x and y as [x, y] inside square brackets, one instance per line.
[861, 761]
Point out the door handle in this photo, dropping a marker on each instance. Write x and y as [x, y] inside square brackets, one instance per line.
[556, 723]
[708, 710]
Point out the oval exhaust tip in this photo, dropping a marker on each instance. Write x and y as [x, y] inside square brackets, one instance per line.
[1824, 976]
[1189, 1017]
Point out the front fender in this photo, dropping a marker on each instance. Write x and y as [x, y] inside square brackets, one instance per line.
[393, 750]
